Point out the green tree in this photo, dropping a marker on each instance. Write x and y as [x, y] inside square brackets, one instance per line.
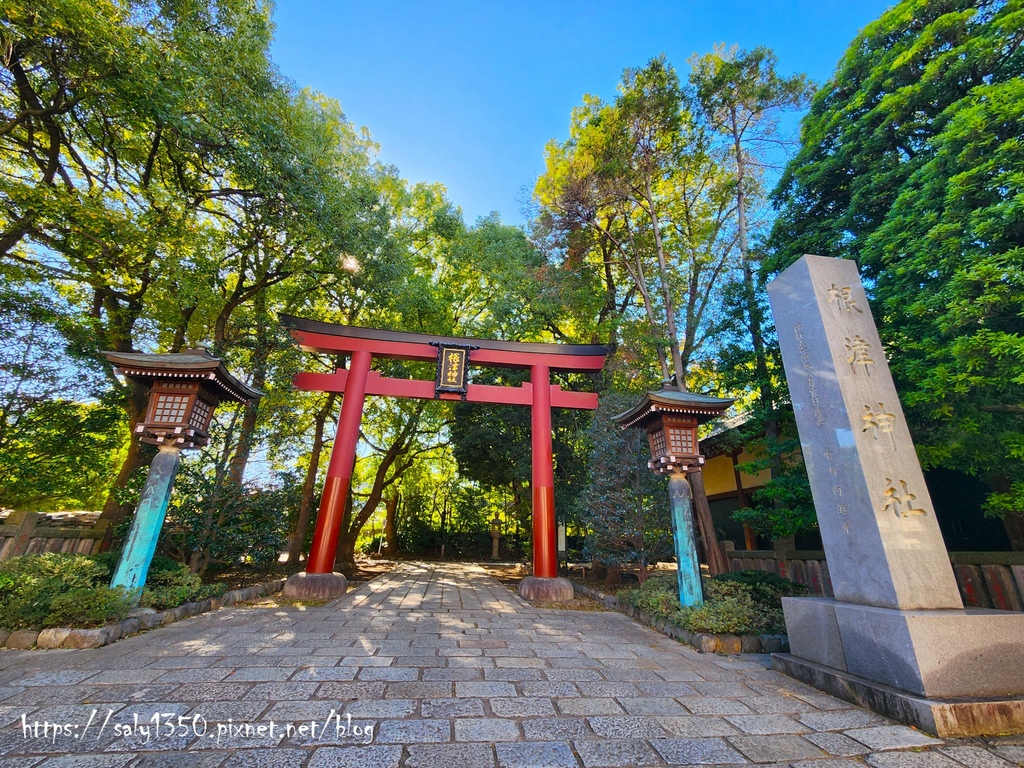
[910, 162]
[642, 174]
[741, 96]
[624, 508]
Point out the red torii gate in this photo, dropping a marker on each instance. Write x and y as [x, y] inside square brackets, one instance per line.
[453, 356]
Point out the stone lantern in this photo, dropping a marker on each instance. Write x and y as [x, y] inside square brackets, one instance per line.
[184, 389]
[670, 417]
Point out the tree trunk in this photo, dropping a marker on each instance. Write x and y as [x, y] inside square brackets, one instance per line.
[613, 576]
[261, 356]
[705, 524]
[309, 485]
[390, 535]
[138, 399]
[1014, 525]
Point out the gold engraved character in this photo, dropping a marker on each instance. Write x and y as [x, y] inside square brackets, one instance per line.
[842, 297]
[896, 500]
[858, 352]
[880, 421]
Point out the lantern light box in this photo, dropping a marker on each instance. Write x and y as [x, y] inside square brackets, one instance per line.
[185, 389]
[671, 417]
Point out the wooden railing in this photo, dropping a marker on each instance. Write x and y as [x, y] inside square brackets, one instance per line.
[27, 533]
[985, 579]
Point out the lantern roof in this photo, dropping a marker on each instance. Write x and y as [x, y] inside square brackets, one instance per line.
[671, 399]
[188, 364]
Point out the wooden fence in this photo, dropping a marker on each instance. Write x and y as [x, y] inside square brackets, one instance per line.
[986, 579]
[26, 533]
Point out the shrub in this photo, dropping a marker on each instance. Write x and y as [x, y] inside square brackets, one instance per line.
[740, 603]
[88, 607]
[30, 584]
[170, 583]
[658, 596]
[735, 615]
[59, 590]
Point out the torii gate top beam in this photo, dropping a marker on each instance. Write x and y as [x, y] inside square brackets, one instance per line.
[315, 336]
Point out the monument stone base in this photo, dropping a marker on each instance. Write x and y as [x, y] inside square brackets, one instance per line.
[546, 590]
[939, 669]
[315, 586]
[944, 717]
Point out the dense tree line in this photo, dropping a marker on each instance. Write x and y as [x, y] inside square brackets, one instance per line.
[164, 186]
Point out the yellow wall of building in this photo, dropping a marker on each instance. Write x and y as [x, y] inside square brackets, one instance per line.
[718, 475]
[720, 478]
[752, 481]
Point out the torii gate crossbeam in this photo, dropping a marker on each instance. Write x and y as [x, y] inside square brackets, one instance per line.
[358, 381]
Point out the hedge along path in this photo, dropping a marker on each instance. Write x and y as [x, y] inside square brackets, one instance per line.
[97, 637]
[705, 642]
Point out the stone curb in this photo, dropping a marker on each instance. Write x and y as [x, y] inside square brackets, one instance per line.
[26, 639]
[702, 641]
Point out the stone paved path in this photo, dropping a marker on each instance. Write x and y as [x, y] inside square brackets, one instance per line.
[435, 666]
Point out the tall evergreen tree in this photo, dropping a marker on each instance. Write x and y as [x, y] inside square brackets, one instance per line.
[911, 163]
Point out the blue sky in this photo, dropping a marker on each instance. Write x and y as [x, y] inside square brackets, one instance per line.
[468, 93]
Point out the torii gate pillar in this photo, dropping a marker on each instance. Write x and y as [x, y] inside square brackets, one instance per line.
[545, 584]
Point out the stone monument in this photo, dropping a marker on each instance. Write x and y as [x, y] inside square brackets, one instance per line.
[896, 637]
[495, 535]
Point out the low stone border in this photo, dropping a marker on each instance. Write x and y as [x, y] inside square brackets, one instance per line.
[702, 641]
[25, 639]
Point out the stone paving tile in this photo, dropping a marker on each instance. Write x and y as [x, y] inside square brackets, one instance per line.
[267, 758]
[522, 707]
[837, 744]
[626, 727]
[356, 757]
[615, 753]
[437, 666]
[608, 690]
[1013, 753]
[696, 751]
[440, 708]
[648, 706]
[696, 727]
[489, 690]
[762, 724]
[461, 755]
[543, 754]
[88, 761]
[414, 731]
[583, 706]
[181, 760]
[710, 705]
[769, 749]
[843, 719]
[386, 708]
[514, 675]
[892, 737]
[910, 760]
[975, 757]
[489, 729]
[556, 728]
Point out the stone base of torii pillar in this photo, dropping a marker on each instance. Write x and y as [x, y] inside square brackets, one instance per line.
[546, 590]
[896, 638]
[315, 586]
